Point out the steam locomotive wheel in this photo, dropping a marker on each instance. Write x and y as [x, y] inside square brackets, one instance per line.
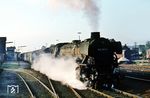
[87, 76]
[87, 81]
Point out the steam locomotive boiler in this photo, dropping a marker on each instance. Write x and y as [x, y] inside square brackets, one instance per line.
[95, 56]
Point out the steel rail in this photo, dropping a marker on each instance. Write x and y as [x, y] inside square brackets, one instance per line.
[126, 93]
[78, 96]
[146, 80]
[53, 94]
[100, 93]
[54, 91]
[32, 96]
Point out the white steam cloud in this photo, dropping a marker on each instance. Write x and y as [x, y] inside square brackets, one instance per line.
[89, 7]
[58, 69]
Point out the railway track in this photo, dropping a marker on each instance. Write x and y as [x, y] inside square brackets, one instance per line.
[65, 91]
[139, 79]
[17, 86]
[57, 90]
[126, 93]
[35, 86]
[115, 93]
[61, 91]
[52, 87]
[91, 93]
[136, 85]
[30, 92]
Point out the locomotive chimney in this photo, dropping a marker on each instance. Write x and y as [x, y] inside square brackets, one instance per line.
[95, 35]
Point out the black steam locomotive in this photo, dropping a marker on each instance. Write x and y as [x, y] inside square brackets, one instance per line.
[95, 56]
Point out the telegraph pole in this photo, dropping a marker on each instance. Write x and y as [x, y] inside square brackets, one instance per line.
[79, 34]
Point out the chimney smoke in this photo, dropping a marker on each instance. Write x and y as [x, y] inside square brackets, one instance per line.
[89, 8]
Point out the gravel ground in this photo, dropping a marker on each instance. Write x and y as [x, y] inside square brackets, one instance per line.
[38, 90]
[8, 78]
[136, 71]
[134, 86]
[134, 67]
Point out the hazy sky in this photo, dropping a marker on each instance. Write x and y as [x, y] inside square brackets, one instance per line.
[39, 22]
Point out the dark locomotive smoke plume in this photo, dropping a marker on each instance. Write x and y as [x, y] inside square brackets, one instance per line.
[91, 10]
[89, 7]
[59, 69]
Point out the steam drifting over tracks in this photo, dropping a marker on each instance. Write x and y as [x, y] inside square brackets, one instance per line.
[65, 91]
[60, 90]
